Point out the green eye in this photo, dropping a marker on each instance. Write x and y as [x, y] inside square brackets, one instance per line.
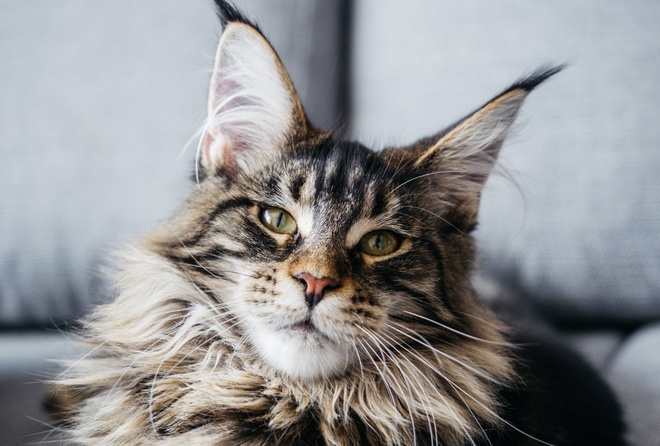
[380, 243]
[278, 220]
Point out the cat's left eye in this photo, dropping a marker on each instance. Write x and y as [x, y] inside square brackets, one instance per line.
[380, 243]
[278, 220]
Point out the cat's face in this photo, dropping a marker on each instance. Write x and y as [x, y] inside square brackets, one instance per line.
[325, 254]
[321, 255]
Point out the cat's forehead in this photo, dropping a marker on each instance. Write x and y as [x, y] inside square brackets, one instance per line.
[345, 175]
[337, 184]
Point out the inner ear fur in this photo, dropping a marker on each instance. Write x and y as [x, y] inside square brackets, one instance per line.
[253, 108]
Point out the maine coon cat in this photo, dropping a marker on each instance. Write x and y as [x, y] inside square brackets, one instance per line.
[312, 291]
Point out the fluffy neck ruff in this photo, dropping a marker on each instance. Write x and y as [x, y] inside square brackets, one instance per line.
[166, 369]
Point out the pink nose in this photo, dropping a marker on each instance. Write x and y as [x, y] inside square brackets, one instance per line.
[315, 287]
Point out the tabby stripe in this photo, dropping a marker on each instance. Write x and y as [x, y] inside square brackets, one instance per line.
[196, 264]
[337, 181]
[295, 188]
[379, 204]
[420, 298]
[201, 261]
[319, 180]
[228, 204]
[218, 253]
[442, 281]
[460, 323]
[206, 226]
[208, 292]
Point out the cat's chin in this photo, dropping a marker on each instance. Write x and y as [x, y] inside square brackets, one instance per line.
[300, 351]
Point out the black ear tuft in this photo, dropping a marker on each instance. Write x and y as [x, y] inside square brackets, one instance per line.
[532, 80]
[227, 12]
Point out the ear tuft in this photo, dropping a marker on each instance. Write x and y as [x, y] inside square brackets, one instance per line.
[227, 13]
[532, 80]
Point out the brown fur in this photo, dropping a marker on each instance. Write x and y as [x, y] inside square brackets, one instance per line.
[148, 381]
[176, 358]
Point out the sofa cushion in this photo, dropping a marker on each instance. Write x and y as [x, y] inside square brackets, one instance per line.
[27, 361]
[97, 101]
[633, 372]
[597, 346]
[577, 228]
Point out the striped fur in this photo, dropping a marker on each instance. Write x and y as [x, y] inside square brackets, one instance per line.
[203, 344]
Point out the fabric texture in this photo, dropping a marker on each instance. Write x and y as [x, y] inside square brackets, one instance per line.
[97, 102]
[574, 223]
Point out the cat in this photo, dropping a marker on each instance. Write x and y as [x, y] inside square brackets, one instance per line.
[312, 291]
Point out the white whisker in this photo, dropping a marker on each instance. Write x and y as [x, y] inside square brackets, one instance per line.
[453, 330]
[416, 337]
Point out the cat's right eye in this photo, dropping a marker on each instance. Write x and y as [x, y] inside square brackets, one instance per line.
[278, 220]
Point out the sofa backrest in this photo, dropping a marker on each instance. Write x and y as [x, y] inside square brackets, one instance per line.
[578, 229]
[97, 102]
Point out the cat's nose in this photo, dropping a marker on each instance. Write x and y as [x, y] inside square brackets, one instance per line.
[315, 287]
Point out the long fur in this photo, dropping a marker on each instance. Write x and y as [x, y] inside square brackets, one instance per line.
[210, 340]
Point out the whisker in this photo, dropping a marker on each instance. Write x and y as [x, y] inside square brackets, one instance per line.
[418, 177]
[433, 430]
[423, 341]
[432, 385]
[377, 342]
[364, 346]
[435, 215]
[453, 330]
[463, 391]
[433, 368]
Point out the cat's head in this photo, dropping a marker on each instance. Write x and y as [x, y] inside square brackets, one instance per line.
[320, 255]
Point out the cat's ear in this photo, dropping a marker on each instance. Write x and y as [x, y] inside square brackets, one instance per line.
[459, 160]
[252, 105]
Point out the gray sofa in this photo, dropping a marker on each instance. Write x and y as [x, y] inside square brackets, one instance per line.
[98, 99]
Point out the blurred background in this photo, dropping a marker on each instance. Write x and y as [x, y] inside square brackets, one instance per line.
[99, 100]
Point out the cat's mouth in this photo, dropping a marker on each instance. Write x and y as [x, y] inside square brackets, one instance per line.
[306, 328]
[306, 325]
